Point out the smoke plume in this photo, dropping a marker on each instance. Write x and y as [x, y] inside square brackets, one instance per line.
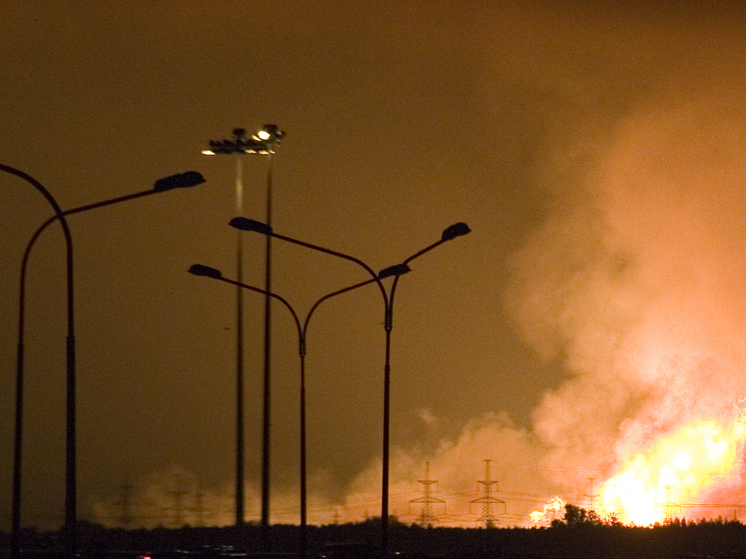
[635, 280]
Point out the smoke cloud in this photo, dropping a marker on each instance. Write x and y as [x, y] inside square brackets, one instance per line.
[174, 498]
[636, 281]
[632, 278]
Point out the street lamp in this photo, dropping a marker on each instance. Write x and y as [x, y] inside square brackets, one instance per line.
[450, 233]
[183, 180]
[262, 142]
[201, 270]
[17, 443]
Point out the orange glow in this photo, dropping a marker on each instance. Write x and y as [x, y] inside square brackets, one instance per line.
[553, 509]
[681, 466]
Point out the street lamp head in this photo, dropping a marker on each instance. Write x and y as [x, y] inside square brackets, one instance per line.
[200, 270]
[396, 270]
[182, 180]
[269, 133]
[245, 224]
[455, 230]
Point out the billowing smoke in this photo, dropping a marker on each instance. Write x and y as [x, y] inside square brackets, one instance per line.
[635, 280]
[173, 497]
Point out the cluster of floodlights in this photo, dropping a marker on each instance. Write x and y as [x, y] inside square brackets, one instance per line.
[263, 142]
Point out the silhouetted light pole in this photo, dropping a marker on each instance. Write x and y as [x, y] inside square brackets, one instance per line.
[453, 231]
[262, 143]
[201, 270]
[182, 180]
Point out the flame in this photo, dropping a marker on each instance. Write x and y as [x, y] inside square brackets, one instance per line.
[682, 465]
[550, 509]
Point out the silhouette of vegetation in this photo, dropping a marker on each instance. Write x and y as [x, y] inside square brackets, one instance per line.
[576, 517]
[580, 534]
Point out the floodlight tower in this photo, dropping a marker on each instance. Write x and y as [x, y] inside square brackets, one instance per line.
[261, 143]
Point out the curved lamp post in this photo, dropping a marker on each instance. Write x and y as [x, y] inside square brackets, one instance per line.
[200, 270]
[453, 231]
[262, 142]
[17, 443]
[183, 180]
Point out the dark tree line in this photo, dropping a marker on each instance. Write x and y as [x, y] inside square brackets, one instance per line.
[580, 534]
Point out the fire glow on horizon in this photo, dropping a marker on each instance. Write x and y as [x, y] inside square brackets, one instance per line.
[643, 298]
[652, 485]
[682, 466]
[635, 281]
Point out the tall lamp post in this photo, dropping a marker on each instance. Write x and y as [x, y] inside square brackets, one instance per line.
[182, 180]
[262, 143]
[451, 232]
[201, 270]
[18, 436]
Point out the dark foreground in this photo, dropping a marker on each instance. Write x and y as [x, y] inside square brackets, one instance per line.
[359, 541]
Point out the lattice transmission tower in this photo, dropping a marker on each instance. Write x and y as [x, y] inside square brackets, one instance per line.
[199, 508]
[671, 510]
[125, 505]
[592, 496]
[487, 500]
[427, 515]
[180, 490]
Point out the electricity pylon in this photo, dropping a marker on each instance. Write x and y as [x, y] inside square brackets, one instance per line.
[592, 496]
[125, 503]
[487, 499]
[427, 516]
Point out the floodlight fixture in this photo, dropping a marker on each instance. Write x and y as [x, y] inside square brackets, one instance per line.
[238, 144]
[270, 134]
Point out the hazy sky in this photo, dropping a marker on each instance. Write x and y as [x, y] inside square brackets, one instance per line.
[597, 154]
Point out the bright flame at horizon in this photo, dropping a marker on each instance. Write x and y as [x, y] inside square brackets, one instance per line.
[556, 505]
[652, 484]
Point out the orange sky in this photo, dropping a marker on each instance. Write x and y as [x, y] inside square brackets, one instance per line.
[596, 153]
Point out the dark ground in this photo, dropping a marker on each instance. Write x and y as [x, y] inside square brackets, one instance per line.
[676, 540]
